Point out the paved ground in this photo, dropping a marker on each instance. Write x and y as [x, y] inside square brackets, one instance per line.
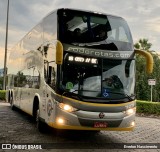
[17, 127]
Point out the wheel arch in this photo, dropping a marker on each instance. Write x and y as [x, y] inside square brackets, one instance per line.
[36, 103]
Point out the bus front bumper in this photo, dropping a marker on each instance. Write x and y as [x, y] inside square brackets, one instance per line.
[85, 120]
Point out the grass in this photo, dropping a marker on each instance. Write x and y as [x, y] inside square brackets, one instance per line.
[2, 94]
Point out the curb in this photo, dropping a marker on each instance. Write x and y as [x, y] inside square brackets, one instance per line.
[3, 101]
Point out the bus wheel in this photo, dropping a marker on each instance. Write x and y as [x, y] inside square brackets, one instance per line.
[12, 103]
[9, 98]
[39, 124]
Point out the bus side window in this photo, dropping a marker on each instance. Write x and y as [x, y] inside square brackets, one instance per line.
[46, 71]
[35, 78]
[51, 77]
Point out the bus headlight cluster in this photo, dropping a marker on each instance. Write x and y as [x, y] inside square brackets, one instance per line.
[130, 111]
[67, 107]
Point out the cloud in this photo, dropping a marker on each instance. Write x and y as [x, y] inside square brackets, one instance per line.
[20, 14]
[2, 35]
[2, 57]
[14, 35]
[153, 24]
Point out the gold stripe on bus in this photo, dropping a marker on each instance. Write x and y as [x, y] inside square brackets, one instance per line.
[97, 104]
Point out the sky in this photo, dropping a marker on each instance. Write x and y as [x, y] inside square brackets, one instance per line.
[142, 16]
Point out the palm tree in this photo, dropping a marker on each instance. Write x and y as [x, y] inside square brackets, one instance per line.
[143, 44]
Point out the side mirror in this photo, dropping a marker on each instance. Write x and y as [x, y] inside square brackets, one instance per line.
[149, 60]
[59, 53]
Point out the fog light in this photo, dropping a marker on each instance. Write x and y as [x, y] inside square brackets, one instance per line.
[60, 121]
[132, 123]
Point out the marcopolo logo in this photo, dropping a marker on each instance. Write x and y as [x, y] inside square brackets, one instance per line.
[101, 115]
[101, 53]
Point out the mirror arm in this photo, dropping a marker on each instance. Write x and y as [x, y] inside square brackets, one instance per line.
[149, 59]
[59, 53]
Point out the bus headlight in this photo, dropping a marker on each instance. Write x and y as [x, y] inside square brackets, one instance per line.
[67, 107]
[130, 111]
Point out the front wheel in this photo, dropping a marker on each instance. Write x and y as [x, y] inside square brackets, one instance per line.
[42, 127]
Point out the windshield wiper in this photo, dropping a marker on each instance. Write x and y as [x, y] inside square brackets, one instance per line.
[130, 97]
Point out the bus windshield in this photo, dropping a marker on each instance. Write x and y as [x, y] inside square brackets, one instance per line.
[98, 78]
[94, 30]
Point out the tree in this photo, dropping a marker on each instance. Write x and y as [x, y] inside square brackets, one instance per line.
[1, 83]
[142, 87]
[143, 44]
[156, 75]
[20, 79]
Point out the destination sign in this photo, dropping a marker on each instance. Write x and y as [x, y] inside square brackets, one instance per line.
[82, 59]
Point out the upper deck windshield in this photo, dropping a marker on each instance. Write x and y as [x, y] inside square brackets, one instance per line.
[94, 30]
[94, 78]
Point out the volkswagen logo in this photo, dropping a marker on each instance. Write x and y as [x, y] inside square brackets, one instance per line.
[101, 115]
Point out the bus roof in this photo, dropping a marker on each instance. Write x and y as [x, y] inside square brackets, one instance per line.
[59, 9]
[80, 10]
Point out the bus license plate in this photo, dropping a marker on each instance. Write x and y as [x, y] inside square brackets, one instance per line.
[100, 125]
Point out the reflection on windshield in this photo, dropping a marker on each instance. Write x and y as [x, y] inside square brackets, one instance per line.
[93, 30]
[118, 77]
[112, 79]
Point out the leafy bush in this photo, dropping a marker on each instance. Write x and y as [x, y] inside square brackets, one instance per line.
[148, 107]
[2, 94]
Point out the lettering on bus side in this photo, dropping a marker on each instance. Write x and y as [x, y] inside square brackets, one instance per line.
[102, 53]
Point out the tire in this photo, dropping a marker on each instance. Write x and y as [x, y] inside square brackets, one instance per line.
[94, 131]
[9, 97]
[41, 126]
[12, 103]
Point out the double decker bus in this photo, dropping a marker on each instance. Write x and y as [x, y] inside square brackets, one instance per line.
[76, 70]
